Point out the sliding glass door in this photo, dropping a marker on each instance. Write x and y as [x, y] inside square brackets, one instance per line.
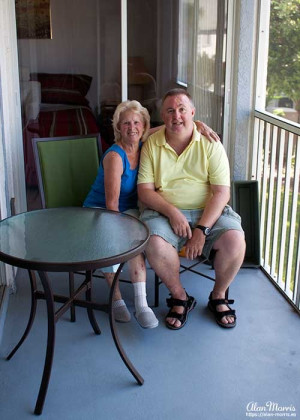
[178, 43]
[85, 56]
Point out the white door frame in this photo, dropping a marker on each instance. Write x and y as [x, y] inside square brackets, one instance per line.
[124, 58]
[11, 143]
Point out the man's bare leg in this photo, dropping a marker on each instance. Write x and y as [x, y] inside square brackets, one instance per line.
[164, 260]
[229, 257]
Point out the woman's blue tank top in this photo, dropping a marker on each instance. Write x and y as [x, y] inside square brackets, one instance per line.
[128, 191]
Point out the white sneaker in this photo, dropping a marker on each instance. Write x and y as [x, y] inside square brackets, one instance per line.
[146, 318]
[121, 313]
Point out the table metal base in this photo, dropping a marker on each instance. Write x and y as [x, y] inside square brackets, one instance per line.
[52, 316]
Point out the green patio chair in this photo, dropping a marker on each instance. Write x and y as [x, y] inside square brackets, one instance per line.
[66, 169]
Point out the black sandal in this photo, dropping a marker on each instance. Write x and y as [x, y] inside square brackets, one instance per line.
[212, 305]
[188, 305]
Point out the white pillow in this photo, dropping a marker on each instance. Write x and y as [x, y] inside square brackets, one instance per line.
[24, 90]
[33, 101]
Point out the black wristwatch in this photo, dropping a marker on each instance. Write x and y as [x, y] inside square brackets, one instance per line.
[206, 230]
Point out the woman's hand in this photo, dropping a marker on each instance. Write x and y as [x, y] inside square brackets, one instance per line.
[207, 131]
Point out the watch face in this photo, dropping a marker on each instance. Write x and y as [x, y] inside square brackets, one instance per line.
[205, 230]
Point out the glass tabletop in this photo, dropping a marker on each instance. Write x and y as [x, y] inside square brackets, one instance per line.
[72, 238]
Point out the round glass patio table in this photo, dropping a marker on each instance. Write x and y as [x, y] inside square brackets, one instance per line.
[68, 240]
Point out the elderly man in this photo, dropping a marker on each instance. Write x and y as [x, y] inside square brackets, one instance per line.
[184, 186]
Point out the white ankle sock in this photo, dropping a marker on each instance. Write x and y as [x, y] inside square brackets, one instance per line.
[140, 300]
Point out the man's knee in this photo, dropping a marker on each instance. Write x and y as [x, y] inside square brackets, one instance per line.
[232, 241]
[158, 247]
[156, 243]
[161, 253]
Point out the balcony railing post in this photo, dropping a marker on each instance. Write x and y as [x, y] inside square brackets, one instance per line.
[276, 166]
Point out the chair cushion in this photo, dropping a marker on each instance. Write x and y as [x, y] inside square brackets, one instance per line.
[68, 170]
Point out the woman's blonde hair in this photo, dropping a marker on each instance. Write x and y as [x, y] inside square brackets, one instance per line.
[133, 106]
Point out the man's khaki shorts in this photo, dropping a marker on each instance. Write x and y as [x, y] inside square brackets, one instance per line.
[159, 225]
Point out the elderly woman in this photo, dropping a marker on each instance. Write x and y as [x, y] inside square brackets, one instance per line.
[115, 189]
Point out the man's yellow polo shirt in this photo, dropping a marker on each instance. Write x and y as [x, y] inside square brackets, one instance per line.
[184, 180]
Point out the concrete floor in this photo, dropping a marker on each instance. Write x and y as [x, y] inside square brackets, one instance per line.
[199, 372]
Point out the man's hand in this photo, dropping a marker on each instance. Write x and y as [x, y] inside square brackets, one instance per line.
[194, 246]
[180, 224]
[207, 131]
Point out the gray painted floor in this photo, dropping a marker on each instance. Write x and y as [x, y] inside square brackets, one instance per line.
[199, 372]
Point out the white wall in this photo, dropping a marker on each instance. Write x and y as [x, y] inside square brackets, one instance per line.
[73, 47]
[86, 38]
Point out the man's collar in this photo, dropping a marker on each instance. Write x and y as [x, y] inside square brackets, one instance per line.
[196, 134]
[161, 137]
